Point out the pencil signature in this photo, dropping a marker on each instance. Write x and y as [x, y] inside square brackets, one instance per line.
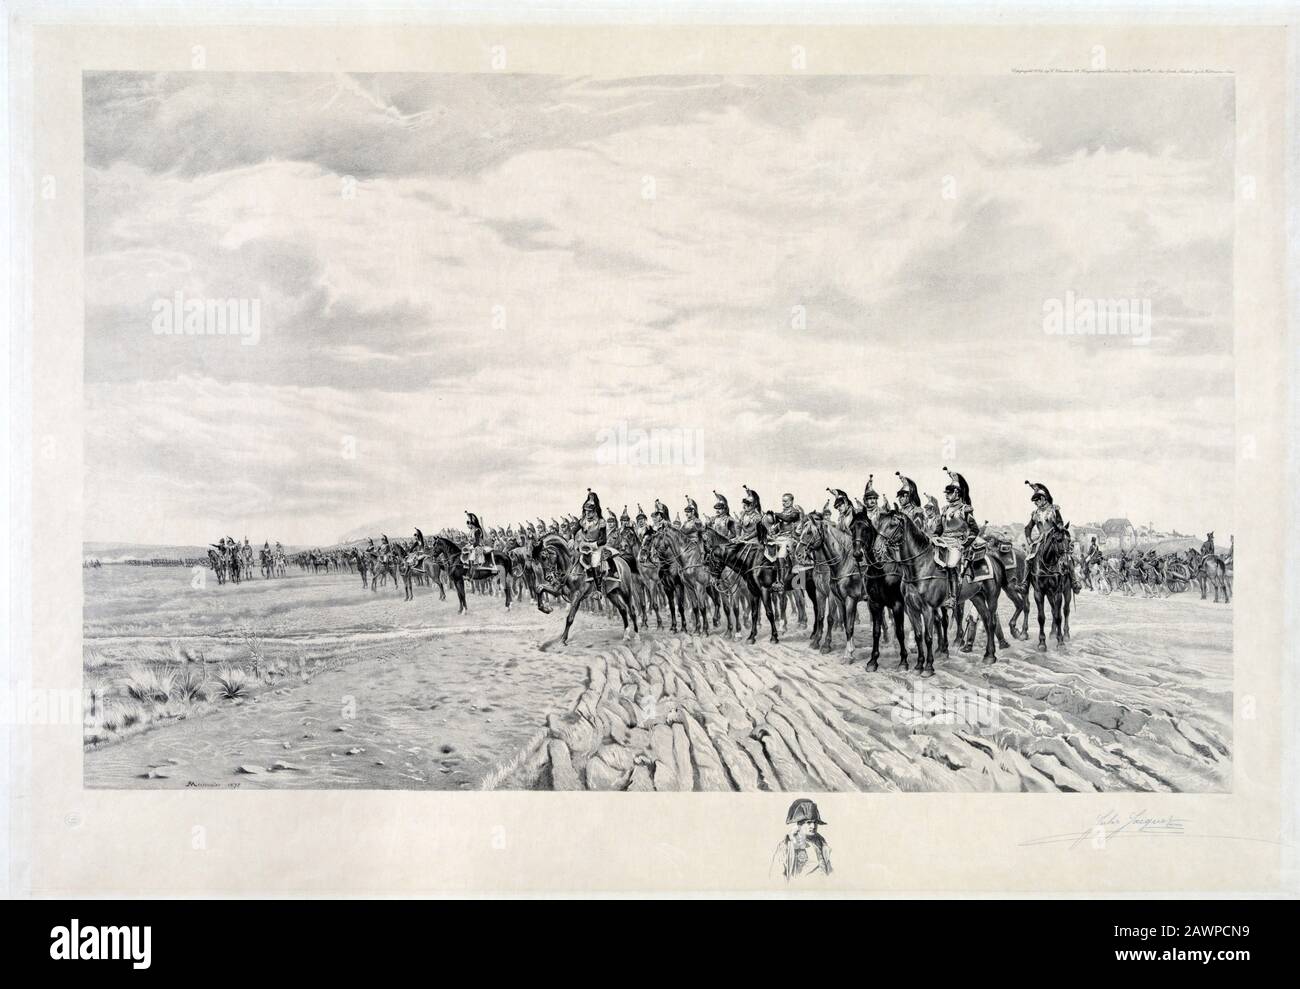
[1113, 824]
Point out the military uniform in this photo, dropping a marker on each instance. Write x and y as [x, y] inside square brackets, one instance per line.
[788, 519]
[844, 505]
[932, 513]
[871, 500]
[473, 553]
[659, 517]
[751, 528]
[958, 529]
[722, 522]
[592, 536]
[691, 525]
[1043, 517]
[909, 501]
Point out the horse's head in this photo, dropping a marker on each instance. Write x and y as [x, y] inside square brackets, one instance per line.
[891, 525]
[1055, 543]
[864, 534]
[808, 536]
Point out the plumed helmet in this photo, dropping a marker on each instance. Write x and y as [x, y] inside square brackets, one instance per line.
[907, 489]
[625, 517]
[958, 483]
[1039, 489]
[640, 512]
[691, 507]
[612, 517]
[661, 510]
[720, 504]
[839, 496]
[593, 501]
[751, 498]
[931, 503]
[869, 493]
[803, 810]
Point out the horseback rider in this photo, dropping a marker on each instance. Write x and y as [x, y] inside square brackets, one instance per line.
[642, 523]
[871, 500]
[677, 521]
[625, 521]
[594, 552]
[1093, 555]
[789, 517]
[1045, 515]
[722, 521]
[751, 527]
[843, 504]
[659, 517]
[957, 529]
[932, 513]
[691, 525]
[909, 500]
[473, 553]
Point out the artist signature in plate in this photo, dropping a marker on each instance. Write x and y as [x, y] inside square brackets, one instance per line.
[1113, 824]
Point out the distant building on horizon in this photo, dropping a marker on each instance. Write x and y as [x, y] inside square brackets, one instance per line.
[1119, 534]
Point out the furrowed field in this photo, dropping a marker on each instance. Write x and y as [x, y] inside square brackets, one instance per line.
[310, 681]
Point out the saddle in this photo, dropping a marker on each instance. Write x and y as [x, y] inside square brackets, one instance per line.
[1005, 550]
[971, 558]
[473, 555]
[776, 549]
[592, 556]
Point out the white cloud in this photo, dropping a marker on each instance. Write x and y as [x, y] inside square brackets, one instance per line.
[476, 323]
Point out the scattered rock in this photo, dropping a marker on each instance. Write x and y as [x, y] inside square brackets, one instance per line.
[563, 775]
[355, 750]
[250, 770]
[610, 768]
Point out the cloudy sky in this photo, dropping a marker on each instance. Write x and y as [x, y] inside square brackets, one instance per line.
[475, 291]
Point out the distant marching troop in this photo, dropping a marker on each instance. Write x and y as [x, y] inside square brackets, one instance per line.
[913, 563]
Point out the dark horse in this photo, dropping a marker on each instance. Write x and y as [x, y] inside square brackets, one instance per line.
[747, 561]
[831, 551]
[884, 586]
[683, 558]
[927, 593]
[1052, 580]
[494, 564]
[617, 579]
